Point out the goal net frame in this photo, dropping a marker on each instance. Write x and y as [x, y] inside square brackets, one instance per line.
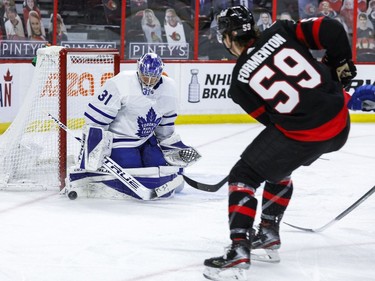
[14, 176]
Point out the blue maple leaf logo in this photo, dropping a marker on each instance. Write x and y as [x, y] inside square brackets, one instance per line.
[148, 125]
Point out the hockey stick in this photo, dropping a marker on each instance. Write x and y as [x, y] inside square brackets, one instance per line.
[127, 179]
[203, 186]
[340, 216]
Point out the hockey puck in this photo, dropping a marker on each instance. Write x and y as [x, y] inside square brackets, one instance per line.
[72, 195]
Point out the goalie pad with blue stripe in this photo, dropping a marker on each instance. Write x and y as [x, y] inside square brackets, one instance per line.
[100, 183]
[95, 146]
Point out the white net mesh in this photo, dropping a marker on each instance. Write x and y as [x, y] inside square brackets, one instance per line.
[31, 149]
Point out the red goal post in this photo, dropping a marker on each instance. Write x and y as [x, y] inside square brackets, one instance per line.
[34, 152]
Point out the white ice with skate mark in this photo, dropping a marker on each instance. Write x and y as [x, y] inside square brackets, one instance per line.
[230, 274]
[46, 236]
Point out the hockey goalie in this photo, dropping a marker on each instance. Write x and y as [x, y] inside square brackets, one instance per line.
[131, 120]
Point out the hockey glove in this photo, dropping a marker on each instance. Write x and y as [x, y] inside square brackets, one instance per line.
[176, 153]
[346, 71]
[363, 98]
[342, 71]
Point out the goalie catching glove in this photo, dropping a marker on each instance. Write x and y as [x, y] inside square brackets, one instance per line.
[176, 153]
[95, 146]
[363, 98]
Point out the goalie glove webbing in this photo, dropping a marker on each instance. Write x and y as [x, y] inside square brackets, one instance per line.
[181, 157]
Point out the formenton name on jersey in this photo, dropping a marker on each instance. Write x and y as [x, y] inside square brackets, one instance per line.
[255, 60]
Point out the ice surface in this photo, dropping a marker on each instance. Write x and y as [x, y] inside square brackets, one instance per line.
[44, 236]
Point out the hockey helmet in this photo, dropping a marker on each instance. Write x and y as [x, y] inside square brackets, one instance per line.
[238, 19]
[150, 68]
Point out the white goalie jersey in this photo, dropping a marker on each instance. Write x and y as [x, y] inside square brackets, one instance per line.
[121, 108]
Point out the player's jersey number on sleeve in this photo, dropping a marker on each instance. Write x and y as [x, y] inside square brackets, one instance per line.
[105, 97]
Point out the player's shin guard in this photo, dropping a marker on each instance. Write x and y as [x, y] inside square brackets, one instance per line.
[276, 198]
[241, 211]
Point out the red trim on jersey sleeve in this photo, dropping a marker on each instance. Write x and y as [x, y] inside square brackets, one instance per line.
[322, 133]
[316, 27]
[259, 111]
[300, 35]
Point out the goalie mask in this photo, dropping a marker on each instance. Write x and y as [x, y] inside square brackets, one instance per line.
[238, 20]
[150, 69]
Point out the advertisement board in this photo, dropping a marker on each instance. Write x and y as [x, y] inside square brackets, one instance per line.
[202, 88]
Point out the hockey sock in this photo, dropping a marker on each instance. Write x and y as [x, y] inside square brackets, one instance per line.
[242, 210]
[276, 197]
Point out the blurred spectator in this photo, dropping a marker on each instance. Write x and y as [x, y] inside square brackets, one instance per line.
[247, 3]
[289, 6]
[29, 5]
[264, 21]
[335, 5]
[13, 26]
[326, 10]
[362, 6]
[365, 33]
[341, 20]
[112, 11]
[285, 16]
[151, 27]
[371, 12]
[60, 29]
[174, 29]
[307, 8]
[347, 14]
[4, 5]
[205, 8]
[35, 28]
[137, 5]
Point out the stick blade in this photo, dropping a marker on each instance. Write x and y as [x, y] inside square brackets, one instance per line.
[203, 186]
[300, 228]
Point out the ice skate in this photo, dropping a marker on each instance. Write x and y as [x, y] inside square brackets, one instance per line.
[266, 243]
[231, 266]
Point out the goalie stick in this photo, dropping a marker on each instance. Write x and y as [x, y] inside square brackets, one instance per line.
[203, 186]
[340, 216]
[127, 179]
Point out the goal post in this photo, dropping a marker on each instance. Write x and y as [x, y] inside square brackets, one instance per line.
[34, 152]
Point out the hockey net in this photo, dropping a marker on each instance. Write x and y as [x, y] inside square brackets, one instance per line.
[34, 152]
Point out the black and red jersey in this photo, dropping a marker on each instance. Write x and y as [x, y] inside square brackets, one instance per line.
[277, 80]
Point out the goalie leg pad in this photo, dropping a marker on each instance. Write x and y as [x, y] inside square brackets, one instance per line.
[83, 181]
[96, 145]
[149, 182]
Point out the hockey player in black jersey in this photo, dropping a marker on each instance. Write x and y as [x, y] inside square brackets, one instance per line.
[301, 102]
